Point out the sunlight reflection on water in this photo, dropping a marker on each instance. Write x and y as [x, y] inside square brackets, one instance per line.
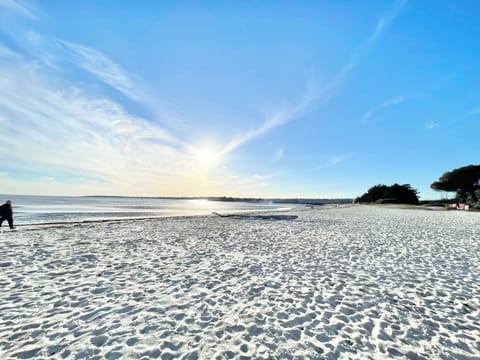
[54, 209]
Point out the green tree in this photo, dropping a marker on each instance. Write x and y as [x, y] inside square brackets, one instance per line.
[373, 194]
[403, 194]
[461, 180]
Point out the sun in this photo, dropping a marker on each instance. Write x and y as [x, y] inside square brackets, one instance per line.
[207, 157]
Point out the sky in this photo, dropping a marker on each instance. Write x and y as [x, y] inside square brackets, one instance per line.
[313, 99]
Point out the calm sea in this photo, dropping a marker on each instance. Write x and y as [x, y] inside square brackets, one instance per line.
[59, 209]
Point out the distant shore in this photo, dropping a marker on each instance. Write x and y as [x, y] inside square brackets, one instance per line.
[304, 201]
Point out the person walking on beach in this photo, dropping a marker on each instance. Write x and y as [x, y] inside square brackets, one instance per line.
[6, 213]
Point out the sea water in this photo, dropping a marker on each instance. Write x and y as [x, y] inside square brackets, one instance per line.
[59, 209]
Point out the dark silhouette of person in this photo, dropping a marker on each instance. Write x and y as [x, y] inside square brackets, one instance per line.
[6, 213]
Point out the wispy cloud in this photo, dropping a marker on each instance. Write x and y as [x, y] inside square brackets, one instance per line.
[277, 119]
[432, 125]
[253, 183]
[278, 155]
[101, 66]
[18, 8]
[8, 54]
[381, 25]
[393, 101]
[47, 125]
[388, 17]
[390, 102]
[339, 159]
[334, 160]
[367, 115]
[319, 98]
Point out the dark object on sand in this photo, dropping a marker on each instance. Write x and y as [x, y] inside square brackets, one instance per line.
[257, 216]
[6, 213]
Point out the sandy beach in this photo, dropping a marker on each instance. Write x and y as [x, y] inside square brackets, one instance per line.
[352, 282]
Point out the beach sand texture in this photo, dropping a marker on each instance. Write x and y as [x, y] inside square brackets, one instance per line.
[354, 282]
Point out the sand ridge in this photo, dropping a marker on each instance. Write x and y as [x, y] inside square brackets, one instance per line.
[350, 282]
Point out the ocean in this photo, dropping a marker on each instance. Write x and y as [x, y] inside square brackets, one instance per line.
[28, 210]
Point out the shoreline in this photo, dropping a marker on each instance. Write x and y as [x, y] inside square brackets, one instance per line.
[37, 210]
[159, 217]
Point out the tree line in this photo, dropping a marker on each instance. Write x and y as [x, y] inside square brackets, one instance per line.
[464, 181]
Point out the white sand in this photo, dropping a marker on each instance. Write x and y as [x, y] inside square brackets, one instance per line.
[356, 283]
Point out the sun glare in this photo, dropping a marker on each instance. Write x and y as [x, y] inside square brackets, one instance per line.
[207, 157]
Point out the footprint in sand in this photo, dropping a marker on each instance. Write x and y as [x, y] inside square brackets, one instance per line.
[132, 341]
[99, 341]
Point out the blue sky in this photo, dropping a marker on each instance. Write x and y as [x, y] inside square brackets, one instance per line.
[248, 98]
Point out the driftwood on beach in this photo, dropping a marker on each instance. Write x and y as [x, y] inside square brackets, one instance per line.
[258, 216]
